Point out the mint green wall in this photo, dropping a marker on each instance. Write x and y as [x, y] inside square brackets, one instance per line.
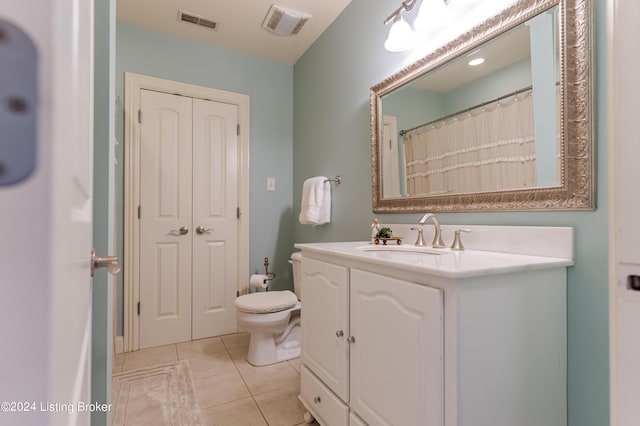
[102, 301]
[332, 136]
[269, 86]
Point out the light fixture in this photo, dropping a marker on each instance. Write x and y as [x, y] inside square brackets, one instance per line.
[476, 61]
[459, 2]
[432, 15]
[401, 37]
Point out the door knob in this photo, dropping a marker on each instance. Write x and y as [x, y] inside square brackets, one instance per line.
[110, 262]
[351, 339]
[339, 333]
[202, 230]
[183, 230]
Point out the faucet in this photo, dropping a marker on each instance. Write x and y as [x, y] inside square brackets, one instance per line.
[437, 238]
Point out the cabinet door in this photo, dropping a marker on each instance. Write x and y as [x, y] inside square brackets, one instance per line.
[396, 354]
[325, 298]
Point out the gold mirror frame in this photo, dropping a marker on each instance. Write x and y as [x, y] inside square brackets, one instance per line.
[577, 187]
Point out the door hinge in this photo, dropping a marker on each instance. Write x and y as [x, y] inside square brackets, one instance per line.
[139, 211]
[238, 213]
[139, 116]
[138, 308]
[237, 129]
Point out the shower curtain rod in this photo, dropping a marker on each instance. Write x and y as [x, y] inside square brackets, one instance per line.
[499, 98]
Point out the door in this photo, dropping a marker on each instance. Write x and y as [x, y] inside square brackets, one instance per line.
[46, 217]
[165, 219]
[215, 200]
[188, 224]
[396, 342]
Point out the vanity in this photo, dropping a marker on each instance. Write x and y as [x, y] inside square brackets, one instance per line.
[405, 335]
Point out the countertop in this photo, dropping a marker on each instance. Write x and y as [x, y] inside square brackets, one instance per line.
[449, 263]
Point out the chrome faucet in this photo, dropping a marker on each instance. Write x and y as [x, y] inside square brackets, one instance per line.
[437, 237]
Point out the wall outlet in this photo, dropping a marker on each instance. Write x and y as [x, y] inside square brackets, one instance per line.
[271, 184]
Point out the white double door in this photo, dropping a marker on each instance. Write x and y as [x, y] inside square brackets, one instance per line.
[188, 221]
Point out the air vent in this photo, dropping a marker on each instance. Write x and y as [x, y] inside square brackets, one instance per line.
[197, 20]
[283, 21]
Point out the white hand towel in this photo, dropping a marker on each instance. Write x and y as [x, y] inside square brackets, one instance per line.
[315, 208]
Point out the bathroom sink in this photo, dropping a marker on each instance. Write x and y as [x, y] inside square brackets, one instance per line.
[403, 249]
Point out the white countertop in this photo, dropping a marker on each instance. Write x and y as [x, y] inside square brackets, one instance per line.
[449, 264]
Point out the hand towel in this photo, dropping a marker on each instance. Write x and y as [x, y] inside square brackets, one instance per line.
[315, 208]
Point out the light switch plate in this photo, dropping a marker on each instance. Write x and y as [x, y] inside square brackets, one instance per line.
[271, 184]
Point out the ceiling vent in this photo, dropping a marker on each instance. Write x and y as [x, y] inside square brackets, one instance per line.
[197, 20]
[283, 21]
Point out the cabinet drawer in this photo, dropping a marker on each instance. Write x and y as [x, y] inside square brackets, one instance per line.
[325, 406]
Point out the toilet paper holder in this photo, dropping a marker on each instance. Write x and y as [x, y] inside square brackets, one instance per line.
[270, 275]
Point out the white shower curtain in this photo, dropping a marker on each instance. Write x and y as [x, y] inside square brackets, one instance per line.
[489, 149]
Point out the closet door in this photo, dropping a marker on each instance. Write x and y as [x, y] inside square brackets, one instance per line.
[215, 223]
[165, 219]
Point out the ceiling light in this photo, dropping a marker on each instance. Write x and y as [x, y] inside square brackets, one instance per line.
[476, 61]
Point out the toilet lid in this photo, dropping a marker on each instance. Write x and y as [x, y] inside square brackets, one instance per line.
[266, 302]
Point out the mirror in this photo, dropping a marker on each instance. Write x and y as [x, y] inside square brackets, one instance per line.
[512, 133]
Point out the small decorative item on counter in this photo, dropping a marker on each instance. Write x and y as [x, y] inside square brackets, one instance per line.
[384, 235]
[375, 228]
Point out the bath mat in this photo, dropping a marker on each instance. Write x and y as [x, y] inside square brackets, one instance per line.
[159, 395]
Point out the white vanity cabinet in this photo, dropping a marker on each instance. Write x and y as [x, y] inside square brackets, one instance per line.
[413, 339]
[372, 348]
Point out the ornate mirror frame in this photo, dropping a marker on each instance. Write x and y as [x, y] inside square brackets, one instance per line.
[577, 181]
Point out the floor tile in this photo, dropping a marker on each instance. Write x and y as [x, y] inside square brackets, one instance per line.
[243, 412]
[268, 377]
[282, 407]
[149, 357]
[296, 363]
[118, 362]
[236, 341]
[200, 347]
[211, 365]
[218, 389]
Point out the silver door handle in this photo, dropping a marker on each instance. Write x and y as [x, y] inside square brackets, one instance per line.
[183, 230]
[339, 333]
[109, 262]
[351, 339]
[202, 230]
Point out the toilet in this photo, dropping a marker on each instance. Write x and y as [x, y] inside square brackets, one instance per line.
[272, 318]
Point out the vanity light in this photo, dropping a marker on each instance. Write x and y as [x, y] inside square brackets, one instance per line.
[433, 15]
[476, 61]
[401, 37]
[459, 2]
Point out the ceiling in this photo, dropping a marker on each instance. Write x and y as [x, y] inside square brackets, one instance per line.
[239, 23]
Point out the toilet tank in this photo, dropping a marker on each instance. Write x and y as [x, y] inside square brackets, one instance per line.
[296, 265]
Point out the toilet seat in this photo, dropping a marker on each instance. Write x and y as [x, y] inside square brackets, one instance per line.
[266, 302]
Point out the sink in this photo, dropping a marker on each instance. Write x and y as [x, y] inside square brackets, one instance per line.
[403, 249]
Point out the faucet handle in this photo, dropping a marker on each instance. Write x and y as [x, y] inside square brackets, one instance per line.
[420, 239]
[457, 241]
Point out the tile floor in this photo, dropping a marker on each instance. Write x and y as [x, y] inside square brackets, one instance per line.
[230, 391]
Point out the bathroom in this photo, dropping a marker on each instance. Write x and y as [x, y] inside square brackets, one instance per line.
[312, 118]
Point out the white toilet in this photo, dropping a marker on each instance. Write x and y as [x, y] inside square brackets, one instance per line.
[273, 320]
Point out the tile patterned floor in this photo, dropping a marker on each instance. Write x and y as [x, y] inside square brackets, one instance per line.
[230, 391]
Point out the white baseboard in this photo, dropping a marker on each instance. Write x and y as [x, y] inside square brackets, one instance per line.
[119, 344]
